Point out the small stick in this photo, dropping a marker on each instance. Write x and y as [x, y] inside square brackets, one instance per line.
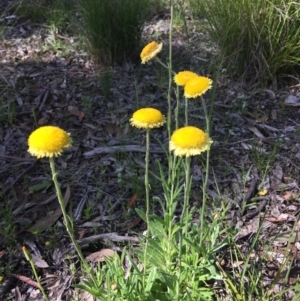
[110, 236]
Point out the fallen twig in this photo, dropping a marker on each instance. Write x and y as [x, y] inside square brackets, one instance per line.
[250, 191]
[262, 205]
[122, 148]
[110, 236]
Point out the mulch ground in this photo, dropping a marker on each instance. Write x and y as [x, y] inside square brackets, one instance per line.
[255, 159]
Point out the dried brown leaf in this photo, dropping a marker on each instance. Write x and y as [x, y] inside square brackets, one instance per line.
[42, 121]
[289, 195]
[39, 261]
[280, 218]
[276, 176]
[132, 200]
[26, 280]
[76, 112]
[292, 100]
[287, 236]
[85, 296]
[18, 295]
[134, 223]
[250, 228]
[100, 255]
[256, 132]
[48, 220]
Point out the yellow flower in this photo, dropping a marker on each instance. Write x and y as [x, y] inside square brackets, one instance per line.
[147, 118]
[181, 78]
[48, 141]
[150, 51]
[189, 141]
[263, 192]
[197, 86]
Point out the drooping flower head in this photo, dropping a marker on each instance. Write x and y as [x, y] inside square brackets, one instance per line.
[48, 141]
[197, 86]
[182, 77]
[189, 141]
[150, 51]
[147, 118]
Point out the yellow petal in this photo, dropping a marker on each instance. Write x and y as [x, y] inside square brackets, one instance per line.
[197, 86]
[182, 77]
[189, 141]
[150, 51]
[263, 192]
[147, 118]
[48, 141]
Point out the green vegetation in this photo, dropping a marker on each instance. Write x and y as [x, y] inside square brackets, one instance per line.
[36, 11]
[258, 39]
[57, 13]
[189, 250]
[112, 28]
[61, 14]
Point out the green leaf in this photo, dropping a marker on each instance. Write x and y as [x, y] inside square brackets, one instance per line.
[141, 214]
[151, 278]
[40, 186]
[170, 281]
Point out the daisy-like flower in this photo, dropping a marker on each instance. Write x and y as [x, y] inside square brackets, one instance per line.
[48, 141]
[189, 141]
[197, 86]
[147, 118]
[182, 77]
[150, 51]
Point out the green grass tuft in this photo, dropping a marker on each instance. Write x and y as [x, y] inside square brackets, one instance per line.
[113, 28]
[259, 39]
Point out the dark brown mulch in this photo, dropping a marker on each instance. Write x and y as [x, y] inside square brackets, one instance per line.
[103, 171]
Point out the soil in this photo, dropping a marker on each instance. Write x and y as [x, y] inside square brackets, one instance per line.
[46, 79]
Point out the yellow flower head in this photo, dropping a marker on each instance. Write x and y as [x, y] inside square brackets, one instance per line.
[262, 192]
[181, 78]
[147, 118]
[48, 141]
[150, 51]
[197, 86]
[189, 141]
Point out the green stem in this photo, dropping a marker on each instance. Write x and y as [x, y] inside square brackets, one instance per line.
[204, 192]
[38, 280]
[171, 74]
[165, 66]
[29, 258]
[177, 107]
[169, 68]
[207, 121]
[147, 190]
[170, 65]
[186, 192]
[207, 117]
[170, 204]
[67, 221]
[184, 215]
